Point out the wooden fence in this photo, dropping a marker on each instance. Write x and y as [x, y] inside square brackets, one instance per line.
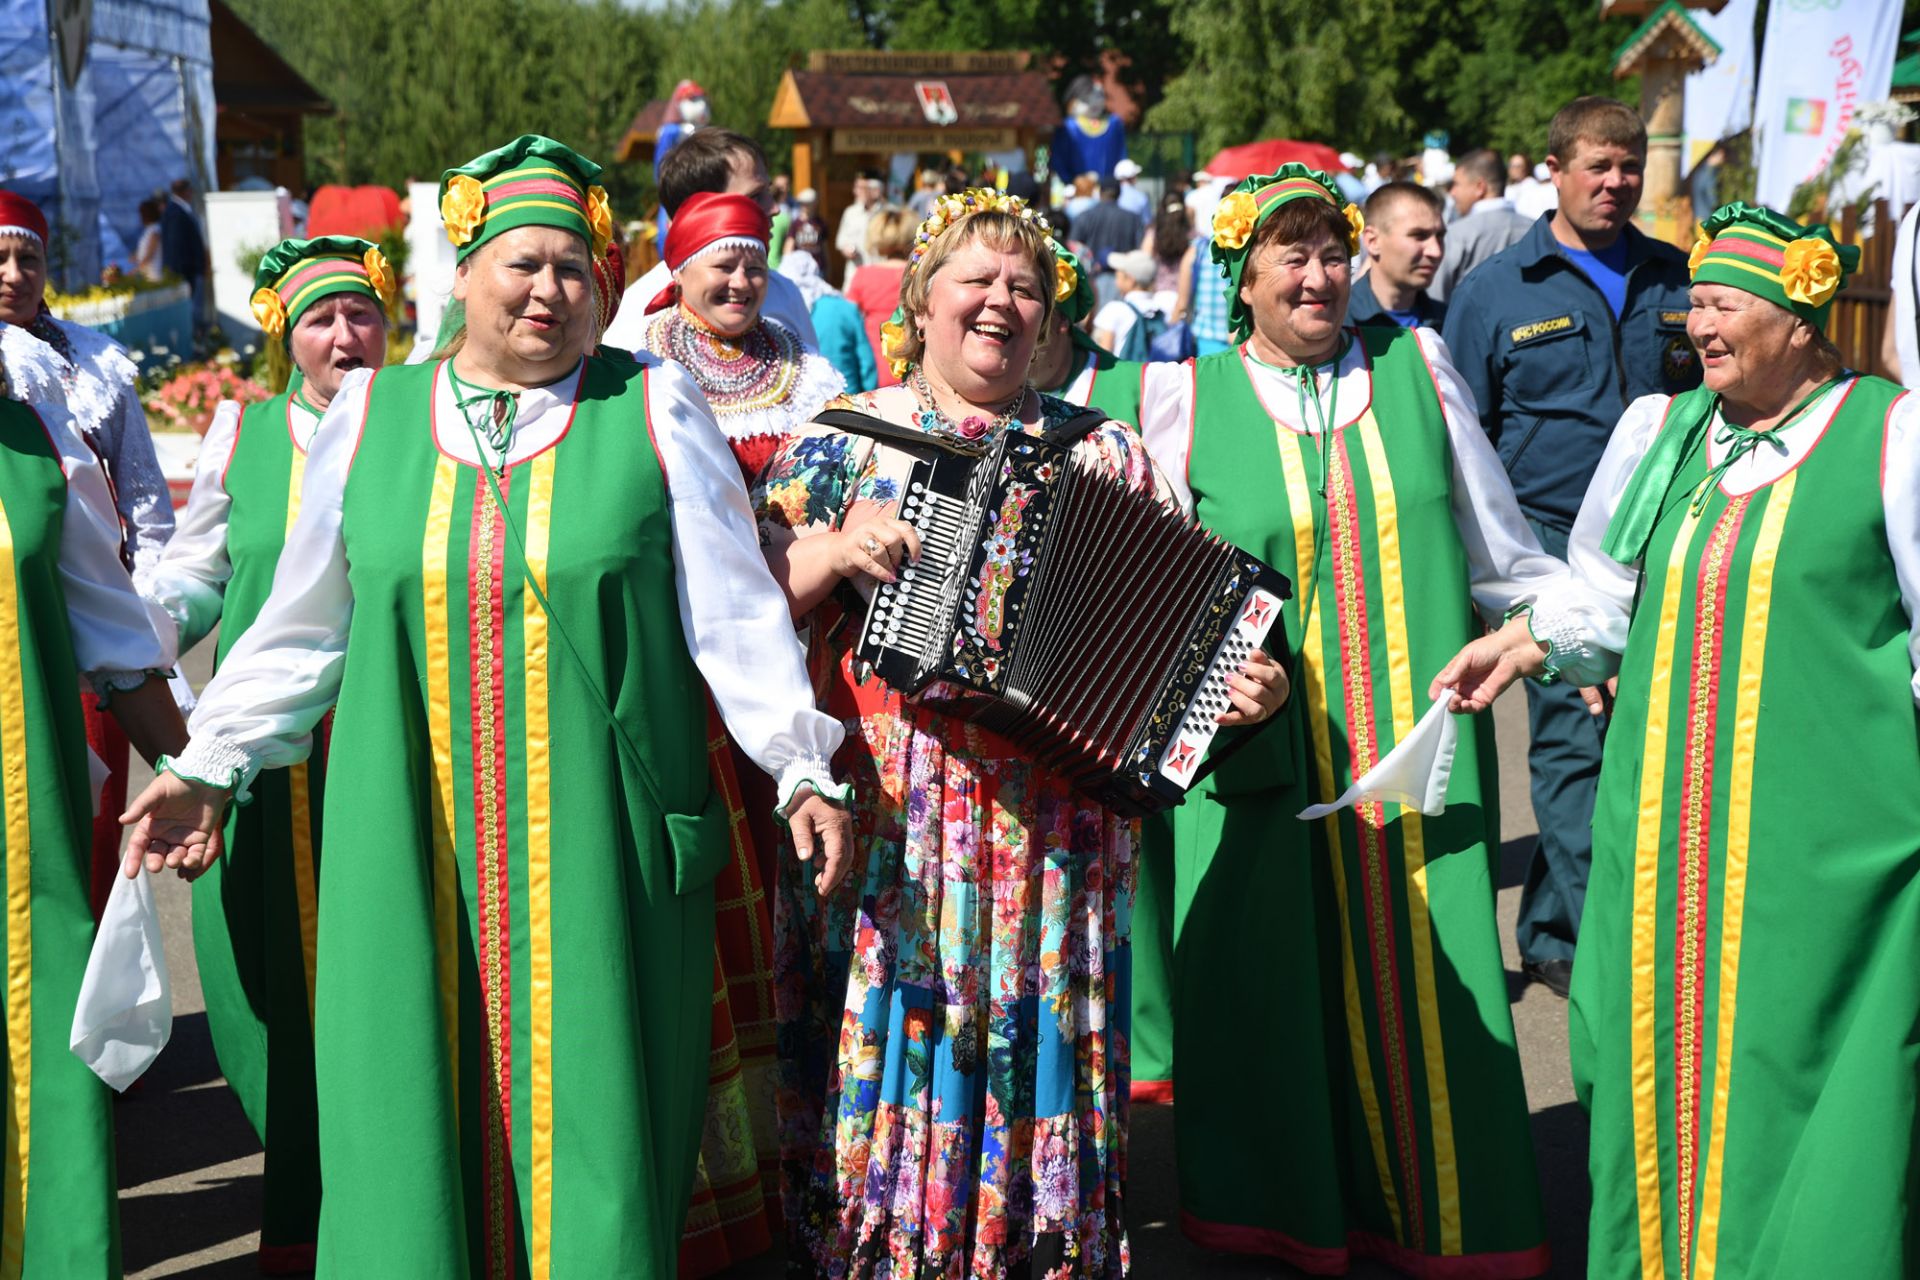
[1864, 309]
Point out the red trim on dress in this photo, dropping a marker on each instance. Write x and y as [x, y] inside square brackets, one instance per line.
[1153, 1093]
[646, 418]
[1366, 362]
[1886, 434]
[433, 418]
[1322, 1260]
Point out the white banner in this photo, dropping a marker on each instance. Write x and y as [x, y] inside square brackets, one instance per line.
[1820, 61]
[1720, 96]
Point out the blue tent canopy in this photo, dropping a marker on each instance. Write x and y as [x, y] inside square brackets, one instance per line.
[139, 114]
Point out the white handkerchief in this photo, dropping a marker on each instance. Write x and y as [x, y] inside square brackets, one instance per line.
[1414, 773]
[125, 1012]
[97, 775]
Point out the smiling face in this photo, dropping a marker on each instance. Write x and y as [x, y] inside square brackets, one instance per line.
[333, 337]
[725, 289]
[529, 300]
[1598, 187]
[1752, 352]
[1297, 291]
[986, 308]
[23, 278]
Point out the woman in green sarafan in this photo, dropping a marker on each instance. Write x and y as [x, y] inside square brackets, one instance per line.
[516, 572]
[67, 611]
[1367, 1101]
[322, 305]
[1746, 991]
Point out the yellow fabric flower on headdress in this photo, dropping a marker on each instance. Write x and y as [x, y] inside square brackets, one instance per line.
[1234, 220]
[270, 312]
[600, 218]
[893, 345]
[463, 208]
[1810, 271]
[1065, 280]
[1356, 223]
[1701, 243]
[379, 274]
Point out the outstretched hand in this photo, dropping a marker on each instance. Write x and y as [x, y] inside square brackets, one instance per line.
[1482, 671]
[176, 823]
[819, 824]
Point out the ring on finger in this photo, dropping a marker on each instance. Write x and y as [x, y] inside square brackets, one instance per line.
[873, 547]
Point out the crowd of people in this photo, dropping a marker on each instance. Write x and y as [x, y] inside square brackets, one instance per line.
[570, 897]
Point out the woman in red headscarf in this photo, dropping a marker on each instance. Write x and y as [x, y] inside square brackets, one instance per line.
[762, 380]
[98, 382]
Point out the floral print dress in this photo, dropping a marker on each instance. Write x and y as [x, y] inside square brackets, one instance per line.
[953, 1017]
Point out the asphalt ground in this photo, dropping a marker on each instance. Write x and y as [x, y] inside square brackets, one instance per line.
[190, 1169]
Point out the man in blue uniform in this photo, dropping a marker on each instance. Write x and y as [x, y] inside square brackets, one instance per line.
[1555, 336]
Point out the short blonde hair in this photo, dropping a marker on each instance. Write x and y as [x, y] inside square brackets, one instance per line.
[890, 232]
[1005, 232]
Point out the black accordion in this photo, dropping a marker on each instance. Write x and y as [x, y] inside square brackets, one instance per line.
[1098, 625]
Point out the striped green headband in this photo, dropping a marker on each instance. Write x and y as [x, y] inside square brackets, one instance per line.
[530, 182]
[295, 274]
[1251, 203]
[1769, 255]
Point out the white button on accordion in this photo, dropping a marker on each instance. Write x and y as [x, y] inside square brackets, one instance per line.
[1100, 625]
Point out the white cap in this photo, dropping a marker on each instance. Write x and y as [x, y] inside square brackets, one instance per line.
[1126, 169]
[1138, 263]
[1352, 161]
[1201, 176]
[806, 195]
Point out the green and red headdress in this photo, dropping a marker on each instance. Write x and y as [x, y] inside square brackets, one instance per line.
[295, 274]
[1251, 203]
[530, 182]
[1769, 255]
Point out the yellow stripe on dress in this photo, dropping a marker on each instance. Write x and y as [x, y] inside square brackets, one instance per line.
[1746, 724]
[19, 864]
[539, 865]
[1393, 601]
[306, 886]
[447, 925]
[1646, 902]
[1312, 672]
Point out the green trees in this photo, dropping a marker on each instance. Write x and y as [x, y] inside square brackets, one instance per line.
[1377, 74]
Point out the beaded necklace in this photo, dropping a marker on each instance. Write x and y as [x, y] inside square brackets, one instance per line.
[972, 427]
[756, 370]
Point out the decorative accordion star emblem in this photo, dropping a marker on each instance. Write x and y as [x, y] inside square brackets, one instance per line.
[1257, 611]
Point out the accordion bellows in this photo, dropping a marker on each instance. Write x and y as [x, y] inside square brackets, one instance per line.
[1097, 625]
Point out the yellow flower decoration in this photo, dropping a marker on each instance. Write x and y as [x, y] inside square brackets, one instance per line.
[270, 312]
[1701, 243]
[893, 345]
[1234, 220]
[463, 208]
[1356, 223]
[600, 218]
[379, 274]
[1810, 271]
[1065, 280]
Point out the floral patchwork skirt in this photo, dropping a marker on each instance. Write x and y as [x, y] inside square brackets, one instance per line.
[953, 1018]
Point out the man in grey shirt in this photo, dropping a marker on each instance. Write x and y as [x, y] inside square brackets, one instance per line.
[1485, 221]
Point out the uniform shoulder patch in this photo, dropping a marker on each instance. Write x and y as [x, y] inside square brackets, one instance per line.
[1535, 329]
[1670, 318]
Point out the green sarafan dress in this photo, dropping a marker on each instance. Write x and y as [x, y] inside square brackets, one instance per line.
[256, 910]
[1747, 989]
[514, 970]
[58, 1217]
[1348, 1082]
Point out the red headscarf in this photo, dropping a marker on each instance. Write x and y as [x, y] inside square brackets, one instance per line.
[17, 214]
[705, 221]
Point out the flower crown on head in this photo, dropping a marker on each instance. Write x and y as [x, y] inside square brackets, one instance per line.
[949, 211]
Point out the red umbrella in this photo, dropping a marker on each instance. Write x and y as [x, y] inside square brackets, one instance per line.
[1250, 158]
[353, 211]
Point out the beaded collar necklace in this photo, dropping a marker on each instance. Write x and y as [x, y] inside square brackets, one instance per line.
[972, 427]
[756, 369]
